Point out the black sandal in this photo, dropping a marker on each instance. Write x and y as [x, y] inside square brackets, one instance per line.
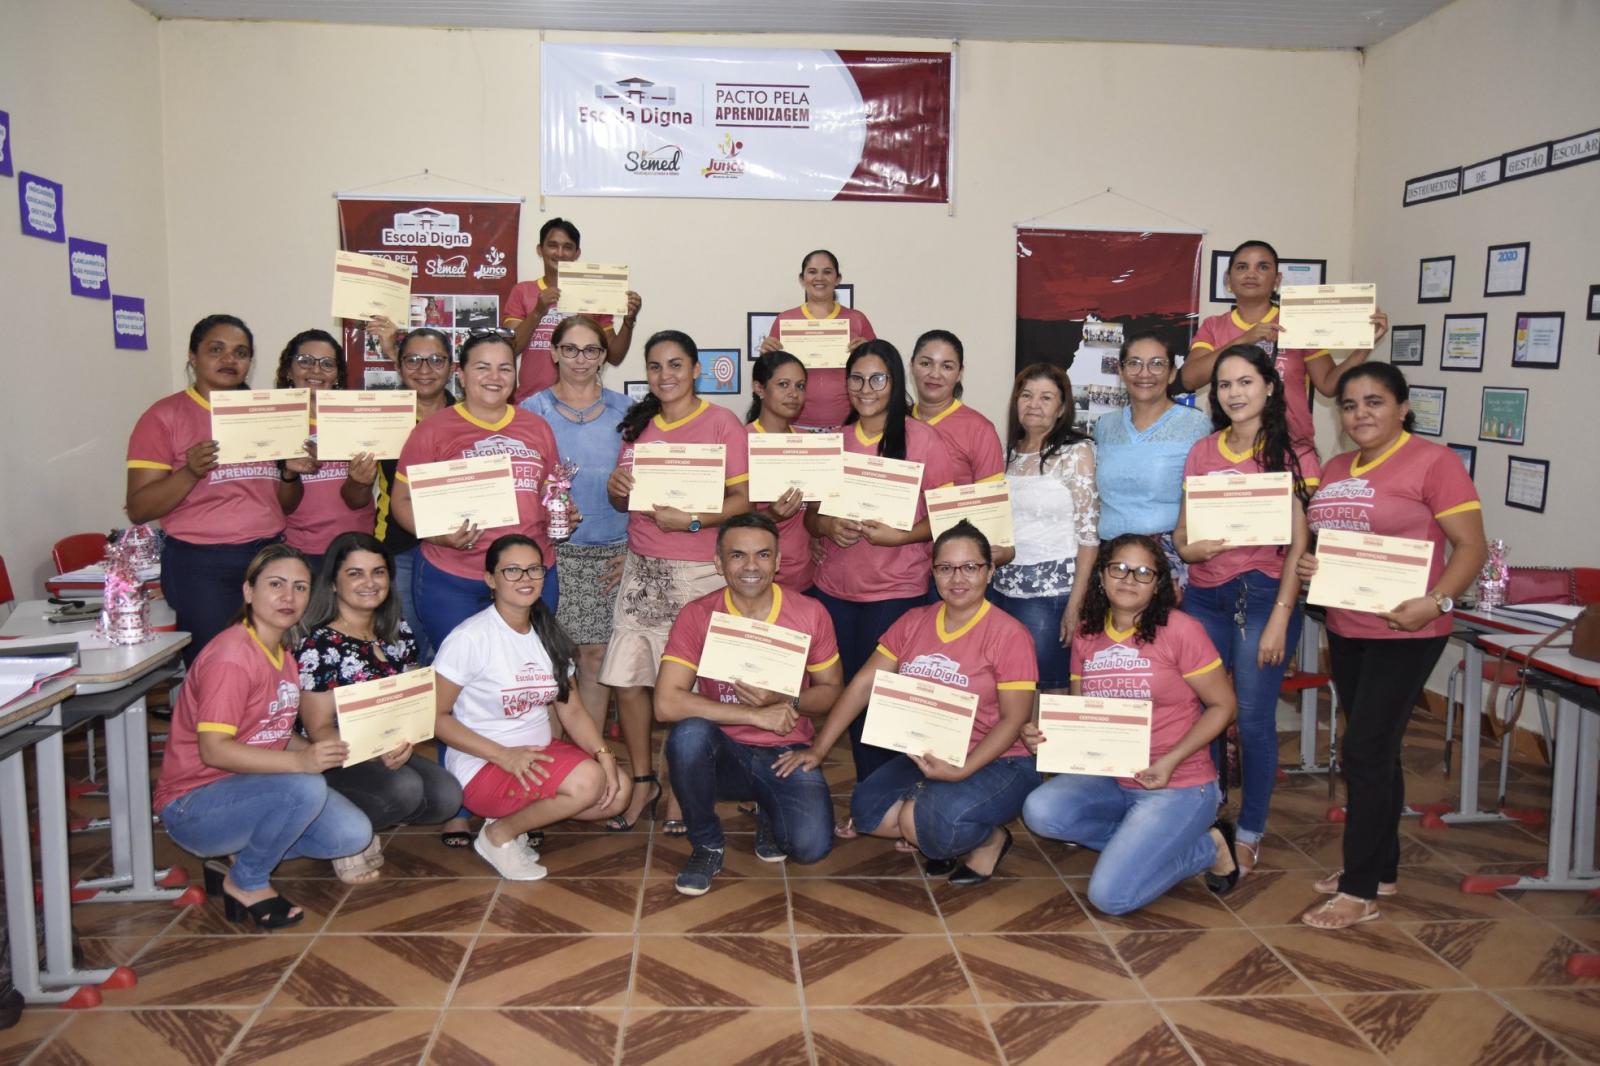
[965, 875]
[1222, 884]
[457, 838]
[618, 823]
[268, 914]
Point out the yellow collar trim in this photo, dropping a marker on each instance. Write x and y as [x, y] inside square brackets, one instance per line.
[276, 659]
[758, 427]
[197, 398]
[946, 637]
[1233, 456]
[772, 615]
[1356, 469]
[864, 439]
[1242, 324]
[461, 409]
[940, 417]
[690, 417]
[1118, 635]
[805, 309]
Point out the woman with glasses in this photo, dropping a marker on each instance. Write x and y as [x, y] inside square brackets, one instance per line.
[778, 383]
[321, 499]
[955, 815]
[216, 517]
[870, 573]
[938, 361]
[584, 417]
[1141, 449]
[1159, 826]
[826, 406]
[500, 674]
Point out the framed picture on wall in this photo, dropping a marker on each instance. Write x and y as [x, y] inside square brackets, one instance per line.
[1405, 345]
[1462, 344]
[1505, 272]
[845, 293]
[1435, 279]
[719, 372]
[1593, 312]
[1536, 344]
[1427, 404]
[1468, 454]
[1527, 482]
[1219, 278]
[1303, 271]
[1503, 415]
[636, 390]
[757, 324]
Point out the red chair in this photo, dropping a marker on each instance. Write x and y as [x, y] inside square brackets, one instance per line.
[78, 551]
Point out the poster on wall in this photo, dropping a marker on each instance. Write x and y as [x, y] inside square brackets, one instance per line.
[39, 203]
[1503, 415]
[1081, 292]
[463, 260]
[5, 144]
[744, 123]
[86, 269]
[128, 327]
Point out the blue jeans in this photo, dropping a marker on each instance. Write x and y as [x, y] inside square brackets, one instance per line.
[265, 819]
[1148, 840]
[1042, 616]
[707, 765]
[857, 626]
[1251, 596]
[952, 817]
[202, 582]
[405, 569]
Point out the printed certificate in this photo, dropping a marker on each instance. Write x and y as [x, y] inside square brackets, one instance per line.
[876, 488]
[376, 717]
[1094, 736]
[1366, 572]
[1327, 316]
[480, 490]
[986, 505]
[810, 462]
[689, 477]
[821, 344]
[376, 422]
[365, 286]
[920, 717]
[754, 652]
[256, 427]
[1242, 509]
[593, 288]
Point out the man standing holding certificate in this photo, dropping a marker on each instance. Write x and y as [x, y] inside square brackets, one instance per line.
[1400, 486]
[727, 735]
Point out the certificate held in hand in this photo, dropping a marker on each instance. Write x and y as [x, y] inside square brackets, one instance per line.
[260, 426]
[365, 286]
[376, 717]
[810, 462]
[1366, 572]
[374, 422]
[821, 344]
[755, 653]
[920, 717]
[1242, 509]
[481, 490]
[1094, 736]
[986, 505]
[690, 477]
[1327, 316]
[878, 489]
[593, 288]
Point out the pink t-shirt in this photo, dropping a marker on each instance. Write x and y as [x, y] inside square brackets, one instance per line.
[974, 445]
[687, 641]
[1402, 493]
[233, 504]
[238, 687]
[991, 654]
[1213, 456]
[796, 569]
[1113, 665]
[322, 513]
[455, 434]
[709, 424]
[827, 402]
[1219, 331]
[864, 572]
[537, 370]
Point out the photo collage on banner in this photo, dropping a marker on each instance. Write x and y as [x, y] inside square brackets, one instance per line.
[1081, 292]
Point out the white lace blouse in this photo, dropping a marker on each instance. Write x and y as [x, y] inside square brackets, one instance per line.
[1054, 511]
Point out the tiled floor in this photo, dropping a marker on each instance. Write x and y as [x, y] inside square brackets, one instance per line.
[858, 959]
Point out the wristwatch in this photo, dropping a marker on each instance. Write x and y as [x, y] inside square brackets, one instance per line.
[694, 523]
[603, 750]
[1443, 602]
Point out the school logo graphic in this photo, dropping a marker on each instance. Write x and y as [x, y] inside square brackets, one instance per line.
[1117, 657]
[935, 667]
[726, 164]
[1345, 504]
[426, 227]
[493, 265]
[637, 90]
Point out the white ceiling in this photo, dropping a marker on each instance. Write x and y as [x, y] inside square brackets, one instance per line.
[1240, 23]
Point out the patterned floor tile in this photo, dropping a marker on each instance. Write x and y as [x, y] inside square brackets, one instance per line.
[715, 971]
[1585, 931]
[1375, 957]
[336, 1037]
[850, 971]
[126, 919]
[863, 907]
[374, 971]
[1033, 905]
[1472, 846]
[927, 1036]
[318, 899]
[548, 1037]
[1273, 897]
[1226, 1032]
[423, 855]
[171, 1037]
[1045, 968]
[1570, 1016]
[1086, 1034]
[1423, 1029]
[668, 855]
[546, 971]
[1279, 853]
[36, 1026]
[1068, 860]
[1511, 954]
[395, 905]
[698, 1037]
[1208, 964]
[860, 857]
[594, 855]
[566, 905]
[1324, 845]
[1187, 905]
[1433, 893]
[212, 972]
[749, 906]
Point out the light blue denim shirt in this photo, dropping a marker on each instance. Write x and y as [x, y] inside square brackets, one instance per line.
[1140, 472]
[594, 446]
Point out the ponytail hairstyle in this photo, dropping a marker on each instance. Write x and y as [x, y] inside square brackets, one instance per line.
[1063, 433]
[1390, 378]
[965, 530]
[761, 371]
[892, 445]
[953, 341]
[1097, 605]
[197, 336]
[557, 644]
[1273, 440]
[639, 415]
[292, 349]
[252, 573]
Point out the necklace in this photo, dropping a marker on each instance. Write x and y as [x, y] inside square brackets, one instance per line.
[577, 416]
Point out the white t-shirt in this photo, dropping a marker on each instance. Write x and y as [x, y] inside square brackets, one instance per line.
[507, 686]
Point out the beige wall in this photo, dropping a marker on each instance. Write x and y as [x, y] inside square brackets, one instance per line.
[1479, 78]
[82, 84]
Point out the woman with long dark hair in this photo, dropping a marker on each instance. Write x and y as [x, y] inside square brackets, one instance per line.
[1247, 597]
[826, 403]
[778, 393]
[938, 362]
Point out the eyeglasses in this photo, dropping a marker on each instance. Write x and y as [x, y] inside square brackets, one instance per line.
[322, 362]
[1122, 571]
[587, 354]
[946, 570]
[871, 383]
[493, 331]
[1155, 366]
[517, 573]
[416, 361]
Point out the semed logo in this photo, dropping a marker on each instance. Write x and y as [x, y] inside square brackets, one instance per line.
[727, 164]
[664, 160]
[426, 227]
[454, 267]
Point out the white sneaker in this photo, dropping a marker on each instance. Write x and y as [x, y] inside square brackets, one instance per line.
[510, 859]
[522, 838]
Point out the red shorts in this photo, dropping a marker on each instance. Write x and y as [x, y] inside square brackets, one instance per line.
[493, 793]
